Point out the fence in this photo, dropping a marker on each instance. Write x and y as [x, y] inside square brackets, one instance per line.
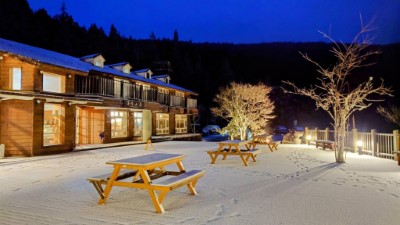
[373, 143]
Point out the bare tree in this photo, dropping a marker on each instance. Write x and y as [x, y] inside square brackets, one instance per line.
[334, 94]
[245, 106]
[392, 114]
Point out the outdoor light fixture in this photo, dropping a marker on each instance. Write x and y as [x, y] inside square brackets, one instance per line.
[38, 101]
[69, 76]
[359, 146]
[308, 139]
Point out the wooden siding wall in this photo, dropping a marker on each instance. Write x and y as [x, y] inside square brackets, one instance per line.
[28, 71]
[16, 127]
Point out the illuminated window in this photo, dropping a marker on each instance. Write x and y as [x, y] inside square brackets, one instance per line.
[163, 90]
[98, 62]
[162, 121]
[119, 124]
[53, 124]
[117, 87]
[180, 124]
[138, 124]
[53, 83]
[16, 78]
[126, 69]
[180, 94]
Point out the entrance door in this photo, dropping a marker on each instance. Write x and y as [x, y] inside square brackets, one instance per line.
[138, 126]
[89, 125]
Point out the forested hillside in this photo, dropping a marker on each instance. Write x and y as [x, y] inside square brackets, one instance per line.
[203, 67]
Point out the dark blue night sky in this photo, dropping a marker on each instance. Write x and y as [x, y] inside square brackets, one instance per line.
[236, 21]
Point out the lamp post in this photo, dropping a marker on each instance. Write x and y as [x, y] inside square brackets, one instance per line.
[359, 147]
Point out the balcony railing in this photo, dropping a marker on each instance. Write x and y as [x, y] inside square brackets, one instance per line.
[102, 86]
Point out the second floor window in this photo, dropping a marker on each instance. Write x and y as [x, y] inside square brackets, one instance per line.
[16, 78]
[53, 83]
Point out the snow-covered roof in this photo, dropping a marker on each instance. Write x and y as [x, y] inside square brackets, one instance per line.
[70, 62]
[141, 70]
[90, 56]
[118, 64]
[160, 76]
[43, 55]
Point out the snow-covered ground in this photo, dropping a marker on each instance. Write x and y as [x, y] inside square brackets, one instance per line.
[298, 184]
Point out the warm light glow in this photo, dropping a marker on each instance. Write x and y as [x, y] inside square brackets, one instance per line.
[359, 143]
[308, 137]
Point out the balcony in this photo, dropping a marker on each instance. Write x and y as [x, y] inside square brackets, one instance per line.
[108, 87]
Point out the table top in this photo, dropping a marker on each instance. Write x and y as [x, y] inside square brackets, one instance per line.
[147, 159]
[233, 142]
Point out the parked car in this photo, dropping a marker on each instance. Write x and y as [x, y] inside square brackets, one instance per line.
[280, 129]
[211, 129]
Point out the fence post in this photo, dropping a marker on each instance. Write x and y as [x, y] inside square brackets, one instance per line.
[316, 134]
[374, 143]
[395, 143]
[326, 134]
[305, 136]
[355, 139]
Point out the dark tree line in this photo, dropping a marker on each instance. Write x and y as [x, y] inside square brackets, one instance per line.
[200, 67]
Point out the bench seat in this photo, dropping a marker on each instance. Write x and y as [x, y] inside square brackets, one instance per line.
[189, 177]
[97, 181]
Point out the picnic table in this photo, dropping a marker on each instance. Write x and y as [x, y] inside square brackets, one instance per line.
[325, 144]
[265, 139]
[145, 170]
[233, 147]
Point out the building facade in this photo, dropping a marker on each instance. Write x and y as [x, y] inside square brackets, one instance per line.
[50, 102]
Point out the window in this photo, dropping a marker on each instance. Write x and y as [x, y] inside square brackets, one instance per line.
[53, 83]
[162, 90]
[138, 124]
[180, 94]
[180, 124]
[119, 124]
[16, 78]
[98, 62]
[162, 121]
[117, 87]
[53, 124]
[126, 69]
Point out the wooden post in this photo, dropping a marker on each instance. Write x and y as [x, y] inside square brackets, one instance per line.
[374, 143]
[149, 143]
[326, 134]
[355, 139]
[396, 143]
[306, 133]
[316, 134]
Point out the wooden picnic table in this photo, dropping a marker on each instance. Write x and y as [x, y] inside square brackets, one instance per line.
[233, 147]
[265, 139]
[148, 168]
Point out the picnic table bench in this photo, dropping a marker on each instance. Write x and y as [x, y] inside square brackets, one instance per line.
[324, 144]
[145, 171]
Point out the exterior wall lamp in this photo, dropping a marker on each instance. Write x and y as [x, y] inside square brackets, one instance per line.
[308, 139]
[359, 146]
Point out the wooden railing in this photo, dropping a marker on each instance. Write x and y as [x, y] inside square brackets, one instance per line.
[103, 86]
[372, 143]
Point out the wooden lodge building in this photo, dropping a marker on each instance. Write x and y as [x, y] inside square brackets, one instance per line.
[51, 102]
